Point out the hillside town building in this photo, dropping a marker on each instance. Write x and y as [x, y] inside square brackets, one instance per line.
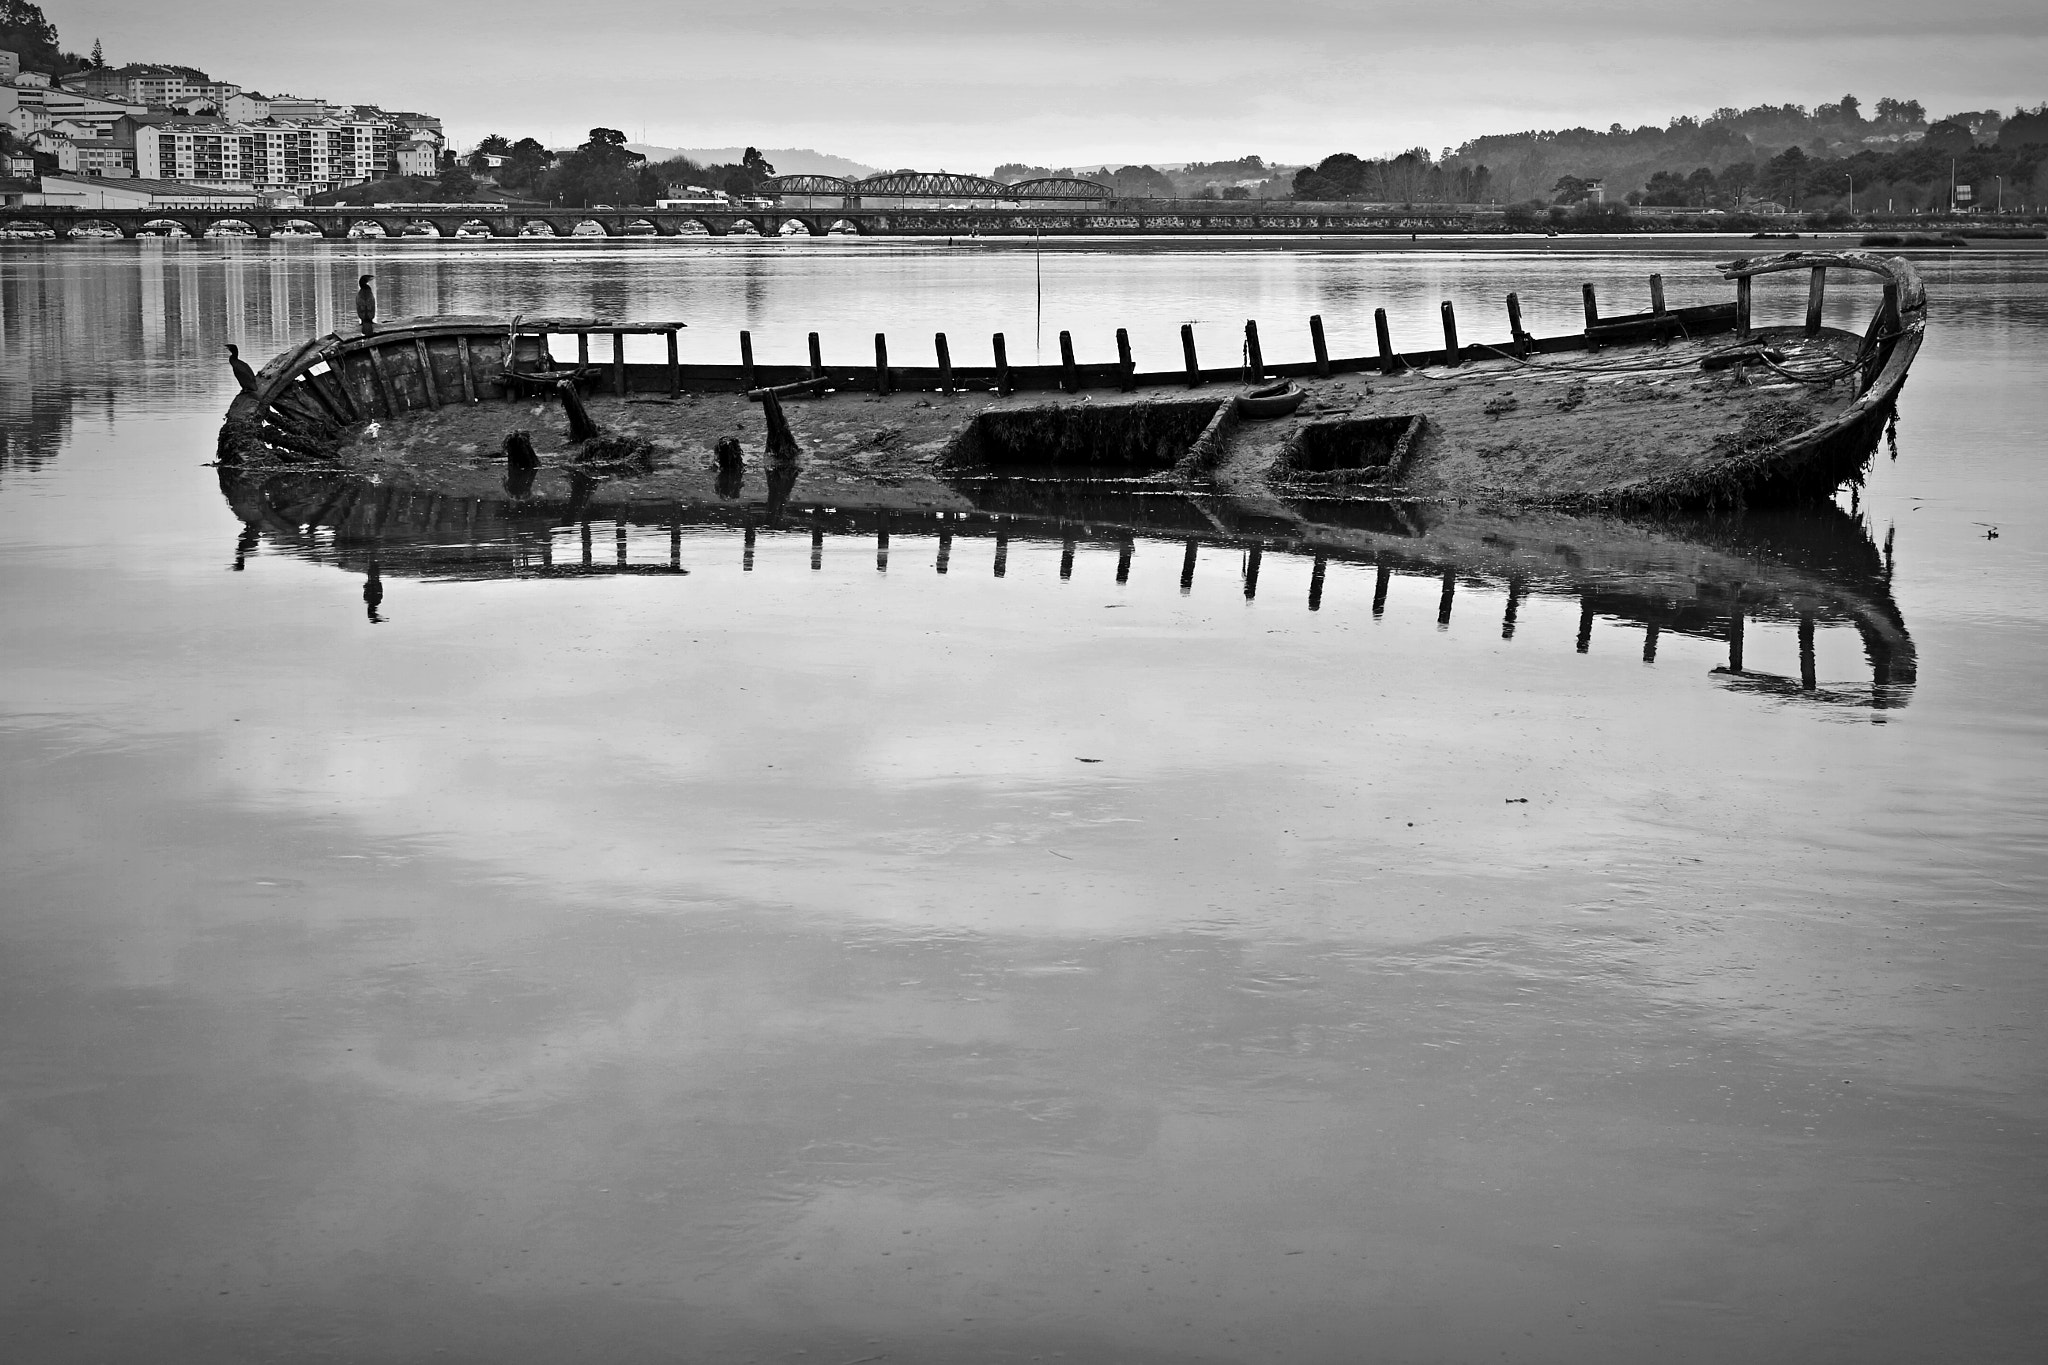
[176, 123]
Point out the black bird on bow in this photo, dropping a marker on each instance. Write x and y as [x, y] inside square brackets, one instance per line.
[244, 376]
[366, 301]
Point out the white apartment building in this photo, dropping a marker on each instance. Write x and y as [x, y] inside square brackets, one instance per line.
[298, 156]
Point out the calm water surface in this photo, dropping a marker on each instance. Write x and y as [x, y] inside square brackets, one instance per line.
[816, 952]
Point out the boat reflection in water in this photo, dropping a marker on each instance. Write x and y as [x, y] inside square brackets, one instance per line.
[1717, 578]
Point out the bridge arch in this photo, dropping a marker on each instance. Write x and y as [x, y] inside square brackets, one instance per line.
[536, 227]
[163, 227]
[747, 226]
[1061, 187]
[473, 227]
[297, 227]
[845, 227]
[603, 228]
[942, 185]
[111, 229]
[227, 227]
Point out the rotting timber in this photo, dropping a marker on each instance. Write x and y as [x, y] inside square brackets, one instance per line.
[1671, 408]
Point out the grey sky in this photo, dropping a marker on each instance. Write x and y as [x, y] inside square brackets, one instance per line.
[968, 83]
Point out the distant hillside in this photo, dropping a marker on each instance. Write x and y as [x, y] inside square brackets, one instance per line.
[785, 160]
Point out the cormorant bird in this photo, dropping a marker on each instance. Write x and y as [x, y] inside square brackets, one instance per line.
[366, 301]
[244, 376]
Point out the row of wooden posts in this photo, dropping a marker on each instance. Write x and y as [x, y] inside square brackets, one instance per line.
[1254, 367]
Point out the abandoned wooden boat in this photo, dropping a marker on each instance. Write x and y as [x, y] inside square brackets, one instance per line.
[1690, 406]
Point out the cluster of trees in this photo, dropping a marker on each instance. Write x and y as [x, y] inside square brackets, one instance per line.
[1413, 177]
[600, 171]
[1912, 176]
[1196, 180]
[24, 29]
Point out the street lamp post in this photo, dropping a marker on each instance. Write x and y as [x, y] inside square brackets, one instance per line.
[2001, 192]
[1852, 192]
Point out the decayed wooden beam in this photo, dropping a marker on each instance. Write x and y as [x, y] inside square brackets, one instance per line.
[383, 380]
[427, 382]
[468, 378]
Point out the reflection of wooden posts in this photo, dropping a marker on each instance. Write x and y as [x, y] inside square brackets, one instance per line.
[1389, 362]
[1816, 293]
[1735, 641]
[1254, 359]
[1585, 641]
[945, 548]
[1187, 352]
[1315, 583]
[817, 547]
[1452, 354]
[1067, 558]
[945, 362]
[1123, 560]
[619, 363]
[1808, 678]
[619, 541]
[1517, 586]
[1002, 553]
[1657, 295]
[675, 366]
[881, 365]
[1251, 571]
[1126, 368]
[747, 551]
[1519, 337]
[1069, 379]
[1002, 366]
[1187, 566]
[586, 542]
[747, 360]
[817, 358]
[1381, 581]
[882, 546]
[1742, 287]
[1446, 598]
[1650, 643]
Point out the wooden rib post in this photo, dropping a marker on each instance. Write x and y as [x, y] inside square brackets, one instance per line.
[1322, 349]
[582, 349]
[1742, 307]
[383, 381]
[1816, 293]
[1252, 356]
[1002, 349]
[945, 362]
[1592, 305]
[747, 360]
[1127, 369]
[468, 378]
[817, 358]
[1187, 350]
[619, 363]
[675, 367]
[1657, 295]
[1389, 362]
[1070, 380]
[881, 364]
[1520, 337]
[426, 362]
[1452, 354]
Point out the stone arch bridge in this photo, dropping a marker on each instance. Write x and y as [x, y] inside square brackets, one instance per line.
[1146, 217]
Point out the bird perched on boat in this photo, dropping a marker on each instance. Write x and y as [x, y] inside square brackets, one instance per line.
[366, 301]
[244, 375]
